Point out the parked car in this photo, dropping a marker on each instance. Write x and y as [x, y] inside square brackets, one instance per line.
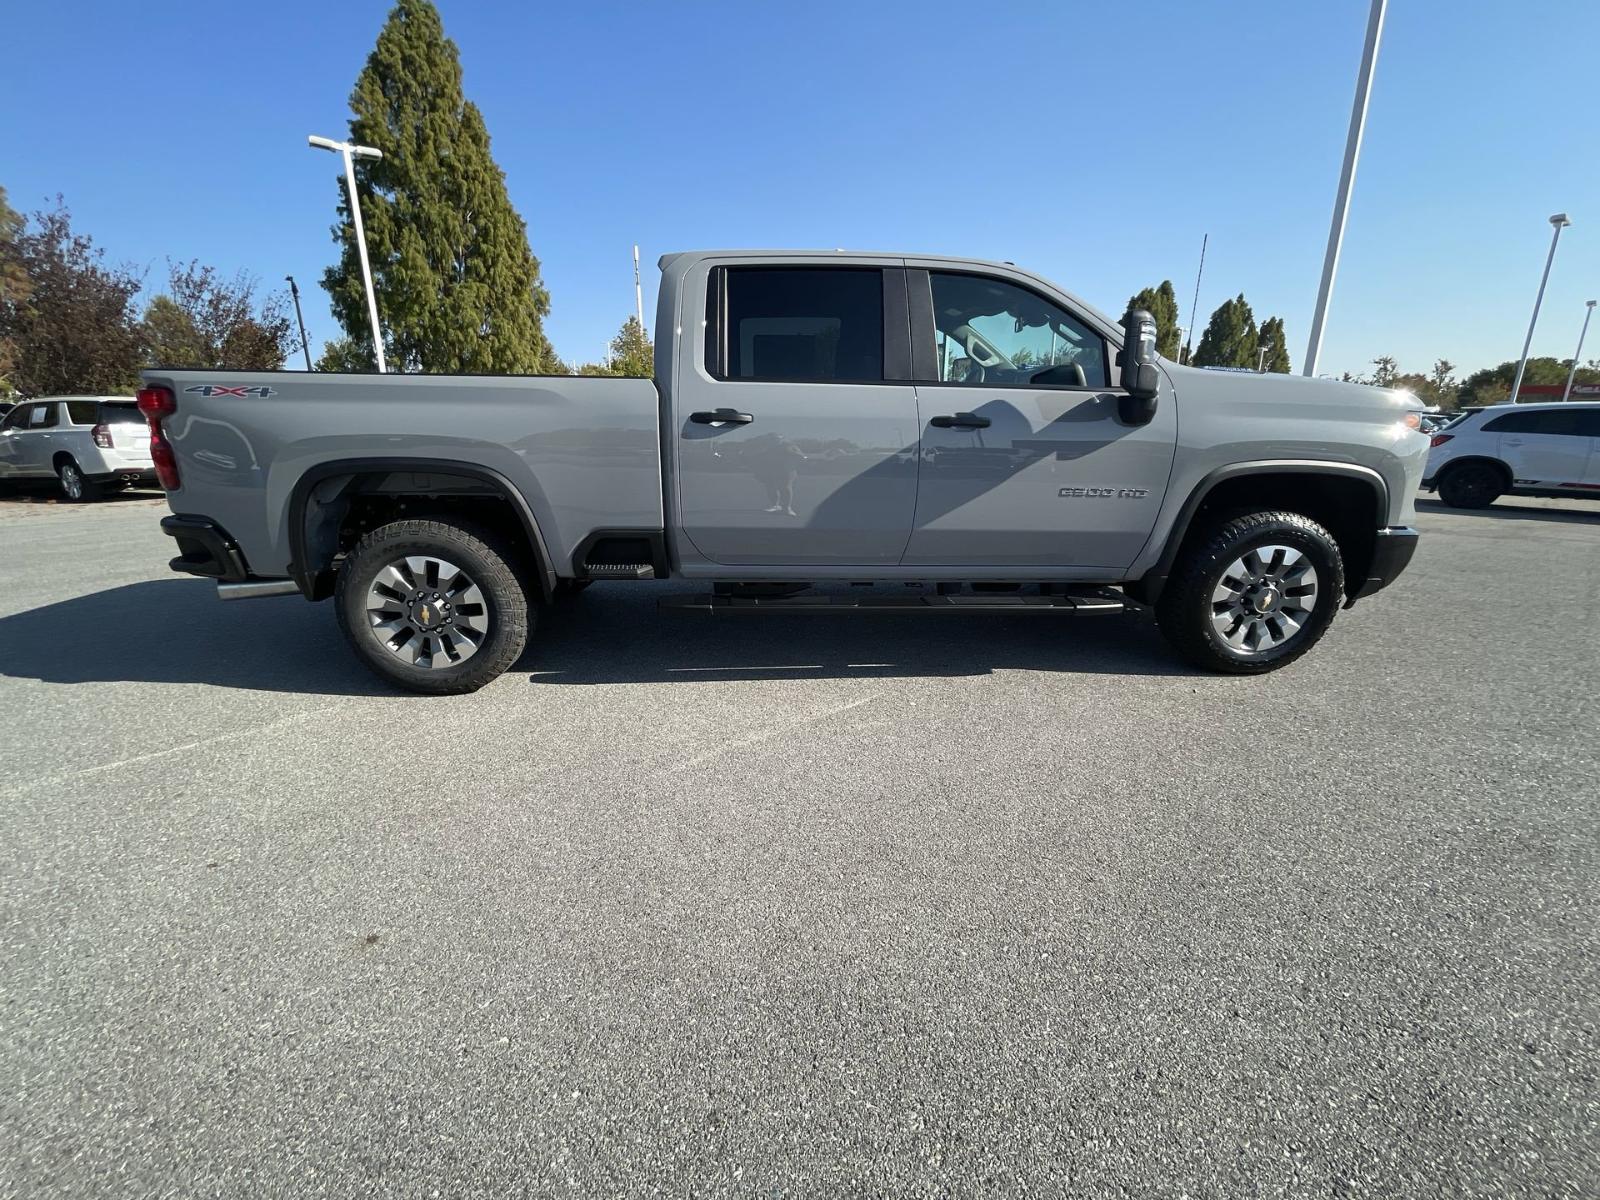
[964, 427]
[87, 443]
[1516, 450]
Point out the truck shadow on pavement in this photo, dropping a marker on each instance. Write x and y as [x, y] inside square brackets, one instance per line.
[613, 634]
[175, 631]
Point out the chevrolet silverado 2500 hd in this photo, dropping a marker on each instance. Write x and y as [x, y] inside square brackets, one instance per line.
[964, 427]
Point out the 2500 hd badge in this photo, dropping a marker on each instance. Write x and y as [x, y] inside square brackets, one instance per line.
[1103, 493]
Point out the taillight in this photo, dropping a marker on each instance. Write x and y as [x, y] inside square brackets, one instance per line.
[102, 436]
[1440, 439]
[156, 403]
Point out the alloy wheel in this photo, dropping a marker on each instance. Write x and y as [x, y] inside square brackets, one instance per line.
[1264, 599]
[72, 481]
[427, 611]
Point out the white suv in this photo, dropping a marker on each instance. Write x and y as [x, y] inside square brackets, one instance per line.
[1516, 450]
[86, 442]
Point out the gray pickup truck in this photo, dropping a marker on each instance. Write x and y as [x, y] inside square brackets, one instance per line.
[962, 436]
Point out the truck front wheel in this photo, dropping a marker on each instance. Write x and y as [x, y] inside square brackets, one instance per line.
[1253, 594]
[434, 606]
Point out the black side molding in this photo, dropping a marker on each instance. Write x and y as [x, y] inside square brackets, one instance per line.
[1391, 553]
[205, 549]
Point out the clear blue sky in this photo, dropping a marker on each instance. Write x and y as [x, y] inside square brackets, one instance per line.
[994, 130]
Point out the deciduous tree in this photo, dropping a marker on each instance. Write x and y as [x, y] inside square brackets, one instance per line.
[204, 320]
[66, 316]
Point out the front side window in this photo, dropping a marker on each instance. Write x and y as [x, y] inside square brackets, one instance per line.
[798, 324]
[993, 333]
[17, 418]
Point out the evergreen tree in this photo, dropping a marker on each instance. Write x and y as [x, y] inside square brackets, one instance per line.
[1230, 338]
[458, 289]
[1271, 338]
[1161, 303]
[630, 354]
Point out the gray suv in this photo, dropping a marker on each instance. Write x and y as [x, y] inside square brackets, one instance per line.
[86, 443]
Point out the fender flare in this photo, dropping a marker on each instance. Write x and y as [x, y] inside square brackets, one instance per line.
[1154, 580]
[307, 577]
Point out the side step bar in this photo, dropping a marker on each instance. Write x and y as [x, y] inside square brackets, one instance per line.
[250, 589]
[1088, 600]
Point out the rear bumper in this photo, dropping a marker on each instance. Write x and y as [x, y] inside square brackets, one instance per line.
[205, 549]
[1391, 553]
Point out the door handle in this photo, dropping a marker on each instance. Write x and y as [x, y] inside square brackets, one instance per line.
[1513, 441]
[722, 416]
[960, 421]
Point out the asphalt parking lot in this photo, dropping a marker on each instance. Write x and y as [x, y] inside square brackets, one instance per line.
[800, 906]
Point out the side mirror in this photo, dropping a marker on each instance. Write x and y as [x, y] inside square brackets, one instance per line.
[1140, 378]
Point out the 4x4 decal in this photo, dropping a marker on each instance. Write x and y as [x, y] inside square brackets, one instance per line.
[217, 389]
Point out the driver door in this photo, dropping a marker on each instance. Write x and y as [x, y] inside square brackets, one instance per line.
[1024, 459]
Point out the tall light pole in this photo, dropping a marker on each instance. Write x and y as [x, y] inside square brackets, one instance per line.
[638, 292]
[1588, 311]
[1559, 220]
[1347, 181]
[350, 154]
[305, 346]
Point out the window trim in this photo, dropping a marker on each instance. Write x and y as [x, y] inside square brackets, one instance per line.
[925, 343]
[896, 349]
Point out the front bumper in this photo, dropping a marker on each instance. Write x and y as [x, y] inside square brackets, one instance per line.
[1391, 553]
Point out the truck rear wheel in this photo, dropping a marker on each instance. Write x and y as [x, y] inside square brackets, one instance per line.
[434, 606]
[1254, 594]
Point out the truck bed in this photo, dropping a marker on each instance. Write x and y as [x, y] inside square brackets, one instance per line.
[583, 451]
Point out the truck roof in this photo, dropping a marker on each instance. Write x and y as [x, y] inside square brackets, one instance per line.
[886, 255]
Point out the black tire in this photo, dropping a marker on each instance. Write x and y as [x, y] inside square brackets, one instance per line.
[487, 559]
[1472, 485]
[1186, 613]
[76, 487]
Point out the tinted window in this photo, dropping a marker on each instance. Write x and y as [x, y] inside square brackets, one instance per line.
[44, 417]
[16, 418]
[1589, 422]
[83, 412]
[1511, 423]
[990, 332]
[800, 324]
[1559, 421]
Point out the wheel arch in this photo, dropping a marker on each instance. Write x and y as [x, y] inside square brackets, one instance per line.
[1350, 500]
[322, 496]
[1476, 460]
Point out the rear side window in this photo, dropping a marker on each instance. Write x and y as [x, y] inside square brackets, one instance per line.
[796, 324]
[94, 412]
[1557, 421]
[1589, 422]
[45, 416]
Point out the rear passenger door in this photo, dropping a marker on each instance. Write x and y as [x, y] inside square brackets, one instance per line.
[1544, 447]
[797, 424]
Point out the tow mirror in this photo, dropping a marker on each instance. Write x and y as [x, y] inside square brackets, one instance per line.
[1140, 378]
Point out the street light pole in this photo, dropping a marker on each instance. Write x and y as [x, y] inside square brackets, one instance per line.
[1588, 311]
[1559, 220]
[351, 153]
[1347, 180]
[305, 346]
